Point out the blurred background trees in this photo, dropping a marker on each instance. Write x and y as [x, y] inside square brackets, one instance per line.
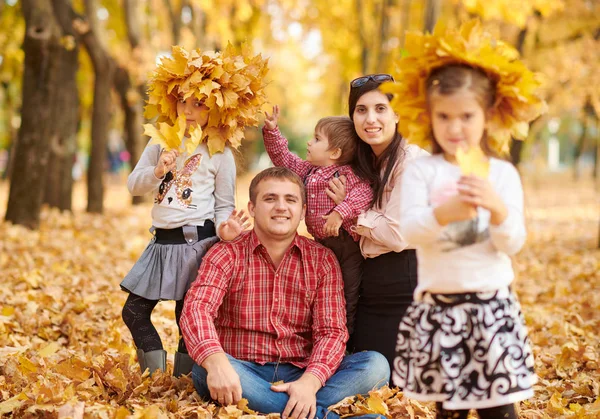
[73, 75]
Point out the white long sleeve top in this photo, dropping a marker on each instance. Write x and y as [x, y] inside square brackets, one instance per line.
[201, 188]
[466, 256]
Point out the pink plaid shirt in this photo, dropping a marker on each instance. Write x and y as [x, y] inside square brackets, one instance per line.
[240, 304]
[316, 180]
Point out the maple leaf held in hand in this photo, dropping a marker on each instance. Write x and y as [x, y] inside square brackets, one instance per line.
[473, 162]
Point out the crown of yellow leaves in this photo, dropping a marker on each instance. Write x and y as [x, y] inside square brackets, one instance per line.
[229, 83]
[517, 101]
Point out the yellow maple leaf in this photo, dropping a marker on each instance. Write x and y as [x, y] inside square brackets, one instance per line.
[49, 349]
[473, 162]
[168, 136]
[377, 405]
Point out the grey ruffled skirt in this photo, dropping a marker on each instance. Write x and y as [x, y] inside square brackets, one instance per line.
[166, 271]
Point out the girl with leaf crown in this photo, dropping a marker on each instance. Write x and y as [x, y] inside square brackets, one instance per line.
[202, 102]
[463, 342]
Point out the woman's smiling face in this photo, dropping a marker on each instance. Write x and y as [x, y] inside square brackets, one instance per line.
[375, 121]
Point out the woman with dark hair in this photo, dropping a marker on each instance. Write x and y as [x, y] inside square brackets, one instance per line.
[390, 270]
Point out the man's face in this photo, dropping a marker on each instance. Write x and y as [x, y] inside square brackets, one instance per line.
[278, 209]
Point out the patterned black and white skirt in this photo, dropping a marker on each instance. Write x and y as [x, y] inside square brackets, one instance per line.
[465, 350]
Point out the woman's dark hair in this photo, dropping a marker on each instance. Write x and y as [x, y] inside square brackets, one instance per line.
[366, 164]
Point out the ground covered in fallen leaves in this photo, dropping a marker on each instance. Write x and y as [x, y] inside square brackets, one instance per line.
[65, 352]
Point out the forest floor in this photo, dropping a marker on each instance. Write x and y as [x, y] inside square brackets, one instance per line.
[65, 352]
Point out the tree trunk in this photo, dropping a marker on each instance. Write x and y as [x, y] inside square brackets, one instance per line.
[175, 21]
[364, 50]
[384, 34]
[432, 13]
[10, 109]
[405, 21]
[63, 145]
[104, 68]
[579, 149]
[132, 96]
[44, 96]
[133, 119]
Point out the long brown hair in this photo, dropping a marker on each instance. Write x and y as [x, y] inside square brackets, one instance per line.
[367, 165]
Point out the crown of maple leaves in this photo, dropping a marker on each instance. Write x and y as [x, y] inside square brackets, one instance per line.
[517, 101]
[229, 83]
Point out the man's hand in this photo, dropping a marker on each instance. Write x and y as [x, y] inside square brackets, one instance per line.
[271, 120]
[233, 226]
[303, 397]
[222, 380]
[337, 189]
[331, 228]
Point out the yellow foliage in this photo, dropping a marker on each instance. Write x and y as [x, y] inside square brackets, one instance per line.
[64, 349]
[512, 11]
[516, 102]
[229, 83]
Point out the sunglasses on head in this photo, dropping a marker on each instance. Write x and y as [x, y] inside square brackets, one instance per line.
[379, 78]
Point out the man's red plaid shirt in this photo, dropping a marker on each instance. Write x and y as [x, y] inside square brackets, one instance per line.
[240, 304]
[316, 179]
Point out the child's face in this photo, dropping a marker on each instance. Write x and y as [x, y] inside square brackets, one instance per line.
[317, 150]
[196, 113]
[458, 121]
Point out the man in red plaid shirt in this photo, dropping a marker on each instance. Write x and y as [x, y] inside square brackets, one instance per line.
[329, 154]
[269, 307]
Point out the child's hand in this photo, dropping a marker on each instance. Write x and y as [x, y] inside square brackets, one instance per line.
[166, 162]
[479, 192]
[332, 226]
[337, 189]
[271, 120]
[233, 226]
[454, 209]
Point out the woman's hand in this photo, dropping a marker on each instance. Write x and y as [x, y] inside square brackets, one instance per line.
[337, 189]
[479, 192]
[271, 120]
[166, 162]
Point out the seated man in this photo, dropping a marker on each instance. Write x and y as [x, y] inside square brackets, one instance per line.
[268, 307]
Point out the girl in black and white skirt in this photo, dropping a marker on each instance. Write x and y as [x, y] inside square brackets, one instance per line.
[463, 342]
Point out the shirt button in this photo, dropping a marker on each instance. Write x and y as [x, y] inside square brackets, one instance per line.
[190, 240]
[312, 195]
[312, 211]
[277, 300]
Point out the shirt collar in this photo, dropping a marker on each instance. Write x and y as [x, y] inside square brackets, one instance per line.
[254, 242]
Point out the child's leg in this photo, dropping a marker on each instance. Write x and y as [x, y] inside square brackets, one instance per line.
[351, 261]
[183, 363]
[136, 315]
[178, 309]
[506, 411]
[442, 413]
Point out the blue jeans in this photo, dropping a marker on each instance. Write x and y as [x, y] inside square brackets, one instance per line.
[357, 374]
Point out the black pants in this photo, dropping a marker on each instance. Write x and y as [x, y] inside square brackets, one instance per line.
[386, 291]
[351, 262]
